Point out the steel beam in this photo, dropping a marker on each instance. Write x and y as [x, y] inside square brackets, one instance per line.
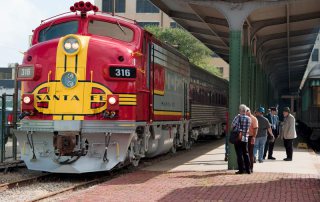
[193, 17]
[283, 35]
[193, 30]
[215, 43]
[283, 59]
[300, 45]
[258, 25]
[212, 30]
[278, 57]
[305, 61]
[294, 44]
[282, 53]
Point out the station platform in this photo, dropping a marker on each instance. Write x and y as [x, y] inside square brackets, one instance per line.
[201, 175]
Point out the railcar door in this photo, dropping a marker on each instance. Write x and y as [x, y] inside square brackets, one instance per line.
[144, 93]
[150, 79]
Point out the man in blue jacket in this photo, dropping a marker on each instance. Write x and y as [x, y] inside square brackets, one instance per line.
[274, 121]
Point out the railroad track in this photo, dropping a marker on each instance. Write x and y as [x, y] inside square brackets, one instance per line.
[71, 188]
[20, 183]
[100, 179]
[51, 187]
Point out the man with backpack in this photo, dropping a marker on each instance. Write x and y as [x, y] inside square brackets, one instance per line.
[241, 123]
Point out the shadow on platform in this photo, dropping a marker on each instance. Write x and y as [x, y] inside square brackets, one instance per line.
[203, 157]
[210, 157]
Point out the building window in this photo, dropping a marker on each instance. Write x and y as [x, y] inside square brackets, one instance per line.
[315, 55]
[143, 24]
[145, 6]
[175, 25]
[5, 75]
[107, 6]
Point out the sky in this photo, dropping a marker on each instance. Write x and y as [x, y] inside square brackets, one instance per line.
[17, 20]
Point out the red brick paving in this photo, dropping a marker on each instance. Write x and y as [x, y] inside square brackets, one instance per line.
[204, 187]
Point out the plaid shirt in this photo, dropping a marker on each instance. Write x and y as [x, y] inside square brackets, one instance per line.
[245, 122]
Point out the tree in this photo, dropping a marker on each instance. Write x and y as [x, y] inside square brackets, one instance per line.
[187, 44]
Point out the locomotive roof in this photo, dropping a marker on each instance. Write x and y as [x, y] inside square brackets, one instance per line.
[206, 76]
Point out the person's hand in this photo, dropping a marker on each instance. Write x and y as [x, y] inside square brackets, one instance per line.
[272, 138]
[253, 140]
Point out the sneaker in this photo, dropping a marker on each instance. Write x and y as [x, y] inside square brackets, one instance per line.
[239, 172]
[260, 161]
[271, 158]
[287, 159]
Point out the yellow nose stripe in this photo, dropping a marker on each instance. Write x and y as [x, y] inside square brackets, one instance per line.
[76, 64]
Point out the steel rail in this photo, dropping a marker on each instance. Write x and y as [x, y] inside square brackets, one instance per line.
[72, 188]
[20, 183]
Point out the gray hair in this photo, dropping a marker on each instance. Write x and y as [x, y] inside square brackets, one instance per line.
[243, 108]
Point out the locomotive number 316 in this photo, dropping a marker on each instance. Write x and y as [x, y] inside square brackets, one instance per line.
[122, 72]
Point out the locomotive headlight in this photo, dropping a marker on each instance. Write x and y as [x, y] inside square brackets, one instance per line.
[112, 100]
[67, 46]
[71, 45]
[69, 80]
[75, 46]
[26, 100]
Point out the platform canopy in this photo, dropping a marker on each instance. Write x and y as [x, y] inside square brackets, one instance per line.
[281, 34]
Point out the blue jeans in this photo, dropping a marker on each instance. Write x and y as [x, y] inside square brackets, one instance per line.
[259, 145]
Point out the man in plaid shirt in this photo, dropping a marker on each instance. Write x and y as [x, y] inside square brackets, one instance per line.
[242, 124]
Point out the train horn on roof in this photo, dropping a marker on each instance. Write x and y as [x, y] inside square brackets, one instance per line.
[83, 7]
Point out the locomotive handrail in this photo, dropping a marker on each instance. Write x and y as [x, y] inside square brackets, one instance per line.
[119, 16]
[101, 12]
[42, 21]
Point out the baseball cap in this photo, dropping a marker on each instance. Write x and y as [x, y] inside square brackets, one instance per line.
[261, 110]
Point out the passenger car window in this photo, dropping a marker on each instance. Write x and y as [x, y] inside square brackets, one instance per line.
[112, 30]
[58, 30]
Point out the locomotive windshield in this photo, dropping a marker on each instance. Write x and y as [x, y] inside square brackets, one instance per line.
[112, 30]
[58, 30]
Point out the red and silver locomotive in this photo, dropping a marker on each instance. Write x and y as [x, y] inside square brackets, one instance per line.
[99, 91]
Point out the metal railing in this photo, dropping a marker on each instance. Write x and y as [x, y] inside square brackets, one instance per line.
[6, 128]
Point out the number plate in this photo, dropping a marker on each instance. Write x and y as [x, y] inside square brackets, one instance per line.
[25, 72]
[122, 72]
